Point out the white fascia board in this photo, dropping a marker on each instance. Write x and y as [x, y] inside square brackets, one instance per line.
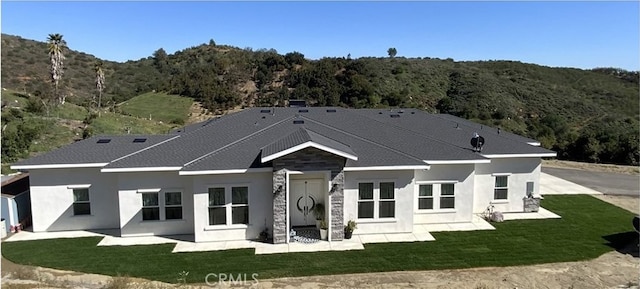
[143, 169]
[304, 146]
[534, 143]
[456, 162]
[505, 156]
[58, 166]
[224, 172]
[431, 182]
[79, 186]
[151, 190]
[386, 168]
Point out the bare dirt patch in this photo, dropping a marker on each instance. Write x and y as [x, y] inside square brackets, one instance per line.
[629, 203]
[630, 170]
[197, 113]
[611, 270]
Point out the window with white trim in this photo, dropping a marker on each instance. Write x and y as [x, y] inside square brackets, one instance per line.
[447, 196]
[223, 212]
[173, 205]
[217, 208]
[150, 207]
[81, 203]
[501, 191]
[376, 201]
[239, 205]
[437, 196]
[387, 201]
[365, 201]
[425, 197]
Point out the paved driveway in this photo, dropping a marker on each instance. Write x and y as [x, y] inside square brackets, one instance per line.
[607, 183]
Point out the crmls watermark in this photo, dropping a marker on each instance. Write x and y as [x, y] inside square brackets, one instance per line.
[226, 279]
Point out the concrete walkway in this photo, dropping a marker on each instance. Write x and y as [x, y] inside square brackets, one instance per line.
[550, 185]
[477, 223]
[542, 213]
[27, 235]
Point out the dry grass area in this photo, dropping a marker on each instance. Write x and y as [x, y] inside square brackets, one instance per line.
[630, 170]
[629, 203]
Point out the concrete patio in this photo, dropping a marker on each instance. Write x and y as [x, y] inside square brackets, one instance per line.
[551, 185]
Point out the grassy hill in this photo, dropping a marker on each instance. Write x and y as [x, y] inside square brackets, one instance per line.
[158, 106]
[586, 115]
[27, 131]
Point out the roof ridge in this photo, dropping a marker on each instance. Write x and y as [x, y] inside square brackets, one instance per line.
[236, 141]
[303, 129]
[144, 149]
[322, 135]
[365, 139]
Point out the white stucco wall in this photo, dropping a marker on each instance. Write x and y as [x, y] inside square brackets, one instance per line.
[52, 199]
[462, 176]
[519, 170]
[260, 206]
[404, 192]
[130, 203]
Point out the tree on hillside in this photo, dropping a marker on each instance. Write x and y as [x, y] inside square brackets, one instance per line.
[56, 47]
[392, 52]
[99, 81]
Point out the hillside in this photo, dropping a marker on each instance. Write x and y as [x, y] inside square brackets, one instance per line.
[585, 115]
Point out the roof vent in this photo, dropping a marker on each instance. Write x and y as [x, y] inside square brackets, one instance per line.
[139, 140]
[104, 140]
[298, 121]
[401, 111]
[303, 110]
[331, 110]
[394, 115]
[413, 112]
[379, 112]
[265, 111]
[297, 103]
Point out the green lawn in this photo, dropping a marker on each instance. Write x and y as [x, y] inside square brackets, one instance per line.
[579, 235]
[160, 106]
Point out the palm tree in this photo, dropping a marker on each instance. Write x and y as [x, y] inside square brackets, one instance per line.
[99, 81]
[56, 45]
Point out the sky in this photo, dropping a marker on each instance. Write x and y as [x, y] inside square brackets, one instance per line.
[559, 34]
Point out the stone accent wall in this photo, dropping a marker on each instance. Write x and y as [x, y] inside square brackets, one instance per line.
[279, 207]
[337, 206]
[531, 204]
[309, 159]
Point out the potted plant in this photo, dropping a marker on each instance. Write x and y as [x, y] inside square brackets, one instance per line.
[318, 212]
[348, 229]
[324, 229]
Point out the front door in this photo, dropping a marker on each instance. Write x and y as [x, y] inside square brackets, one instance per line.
[305, 194]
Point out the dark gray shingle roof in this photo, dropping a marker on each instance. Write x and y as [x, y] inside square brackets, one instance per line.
[91, 151]
[238, 140]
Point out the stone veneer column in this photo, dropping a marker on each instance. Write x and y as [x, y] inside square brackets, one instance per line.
[337, 206]
[279, 207]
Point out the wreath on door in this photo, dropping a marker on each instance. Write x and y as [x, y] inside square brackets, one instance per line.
[313, 204]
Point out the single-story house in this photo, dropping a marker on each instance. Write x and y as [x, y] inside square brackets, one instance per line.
[15, 204]
[232, 177]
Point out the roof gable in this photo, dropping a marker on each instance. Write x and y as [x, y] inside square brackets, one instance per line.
[301, 139]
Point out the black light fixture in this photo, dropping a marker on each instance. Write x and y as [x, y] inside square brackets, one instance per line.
[278, 190]
[334, 188]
